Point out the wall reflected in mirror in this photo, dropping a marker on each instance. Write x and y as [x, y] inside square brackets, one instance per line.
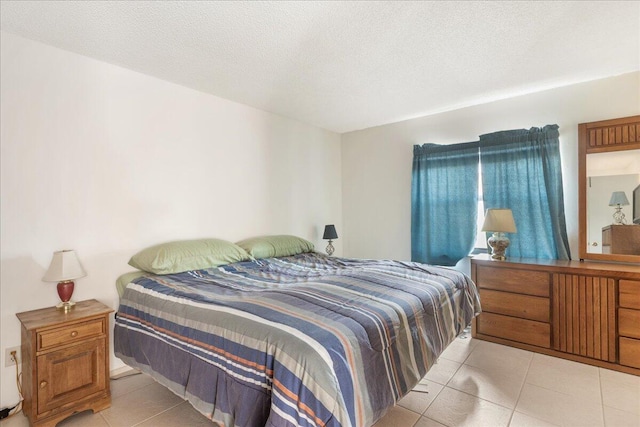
[607, 173]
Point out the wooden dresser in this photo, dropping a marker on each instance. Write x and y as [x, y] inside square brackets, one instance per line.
[65, 361]
[621, 239]
[583, 311]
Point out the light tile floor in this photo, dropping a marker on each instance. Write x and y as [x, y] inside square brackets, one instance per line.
[474, 383]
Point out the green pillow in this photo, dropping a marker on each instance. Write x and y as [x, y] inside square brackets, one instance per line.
[186, 255]
[275, 246]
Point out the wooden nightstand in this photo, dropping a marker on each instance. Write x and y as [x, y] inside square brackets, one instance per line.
[65, 361]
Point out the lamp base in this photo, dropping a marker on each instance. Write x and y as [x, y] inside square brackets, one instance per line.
[499, 243]
[618, 216]
[330, 249]
[65, 306]
[65, 290]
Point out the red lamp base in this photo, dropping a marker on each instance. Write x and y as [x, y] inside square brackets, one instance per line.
[65, 290]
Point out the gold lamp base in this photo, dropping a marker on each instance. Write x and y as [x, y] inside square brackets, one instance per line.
[66, 306]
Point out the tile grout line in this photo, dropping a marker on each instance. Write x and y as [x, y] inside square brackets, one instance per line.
[524, 381]
[443, 386]
[104, 419]
[486, 400]
[448, 381]
[159, 413]
[137, 390]
[604, 422]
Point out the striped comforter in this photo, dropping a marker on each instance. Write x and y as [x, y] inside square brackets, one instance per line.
[305, 340]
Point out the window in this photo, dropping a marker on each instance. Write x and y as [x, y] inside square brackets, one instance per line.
[516, 169]
[481, 237]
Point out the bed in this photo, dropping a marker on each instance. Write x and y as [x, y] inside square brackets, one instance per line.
[302, 340]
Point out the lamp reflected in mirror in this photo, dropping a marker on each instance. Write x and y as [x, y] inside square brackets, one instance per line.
[619, 199]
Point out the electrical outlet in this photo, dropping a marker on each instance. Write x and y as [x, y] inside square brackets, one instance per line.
[8, 358]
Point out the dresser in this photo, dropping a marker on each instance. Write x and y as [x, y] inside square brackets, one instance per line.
[621, 239]
[583, 311]
[65, 361]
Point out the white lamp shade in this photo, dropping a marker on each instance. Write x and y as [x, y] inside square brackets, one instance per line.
[499, 220]
[65, 265]
[618, 198]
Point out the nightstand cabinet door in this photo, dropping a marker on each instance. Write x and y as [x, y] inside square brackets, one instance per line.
[70, 375]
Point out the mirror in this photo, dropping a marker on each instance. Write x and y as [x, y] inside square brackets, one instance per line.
[609, 161]
[606, 173]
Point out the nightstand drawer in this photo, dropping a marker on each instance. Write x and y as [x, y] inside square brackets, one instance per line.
[513, 280]
[70, 334]
[629, 323]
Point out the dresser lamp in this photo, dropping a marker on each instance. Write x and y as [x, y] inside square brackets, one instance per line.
[499, 221]
[65, 268]
[330, 234]
[618, 199]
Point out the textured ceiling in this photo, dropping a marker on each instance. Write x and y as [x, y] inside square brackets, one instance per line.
[346, 65]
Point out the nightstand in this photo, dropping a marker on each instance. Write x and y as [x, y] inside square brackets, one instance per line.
[65, 361]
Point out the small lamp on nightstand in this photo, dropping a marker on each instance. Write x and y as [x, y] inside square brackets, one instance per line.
[499, 221]
[65, 268]
[330, 234]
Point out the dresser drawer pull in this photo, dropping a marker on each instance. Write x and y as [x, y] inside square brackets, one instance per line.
[74, 334]
[43, 384]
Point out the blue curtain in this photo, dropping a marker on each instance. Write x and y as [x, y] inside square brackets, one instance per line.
[521, 171]
[444, 202]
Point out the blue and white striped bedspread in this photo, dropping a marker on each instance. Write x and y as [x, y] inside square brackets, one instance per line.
[306, 340]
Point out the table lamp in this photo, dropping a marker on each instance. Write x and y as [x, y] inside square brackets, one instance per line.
[618, 199]
[64, 268]
[330, 234]
[499, 221]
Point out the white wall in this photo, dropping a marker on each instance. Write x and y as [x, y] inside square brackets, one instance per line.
[107, 161]
[376, 162]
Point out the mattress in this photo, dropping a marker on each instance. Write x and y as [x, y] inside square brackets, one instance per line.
[305, 340]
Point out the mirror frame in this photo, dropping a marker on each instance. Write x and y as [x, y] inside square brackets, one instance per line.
[601, 137]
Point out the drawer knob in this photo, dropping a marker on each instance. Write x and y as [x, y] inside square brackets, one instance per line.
[43, 384]
[74, 334]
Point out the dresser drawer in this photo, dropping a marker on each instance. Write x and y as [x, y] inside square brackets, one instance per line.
[70, 334]
[629, 294]
[524, 306]
[629, 323]
[630, 352]
[515, 329]
[528, 282]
